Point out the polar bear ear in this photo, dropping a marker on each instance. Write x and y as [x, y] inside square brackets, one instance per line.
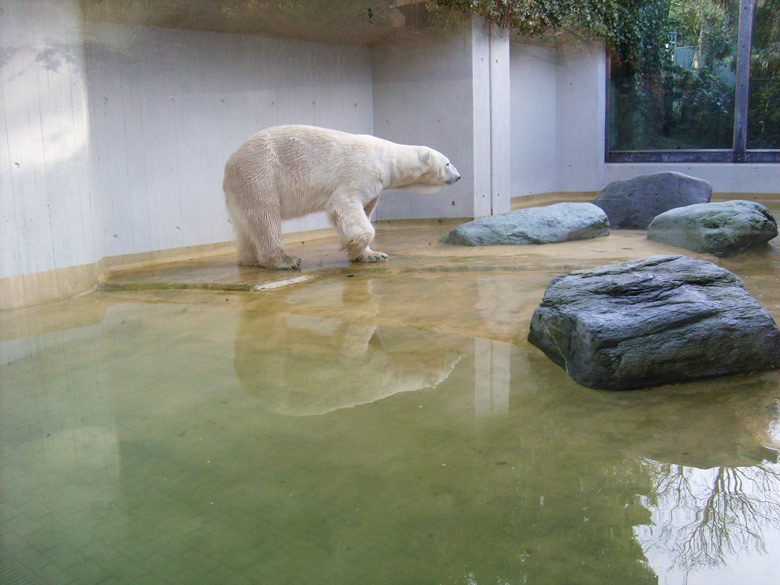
[426, 156]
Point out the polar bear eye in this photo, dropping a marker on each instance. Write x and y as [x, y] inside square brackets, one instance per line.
[448, 164]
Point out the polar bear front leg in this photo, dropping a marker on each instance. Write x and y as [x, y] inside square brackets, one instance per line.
[369, 255]
[355, 231]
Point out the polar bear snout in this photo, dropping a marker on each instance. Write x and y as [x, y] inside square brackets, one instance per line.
[451, 174]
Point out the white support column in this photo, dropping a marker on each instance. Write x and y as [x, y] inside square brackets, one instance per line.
[450, 92]
[500, 127]
[491, 110]
[480, 69]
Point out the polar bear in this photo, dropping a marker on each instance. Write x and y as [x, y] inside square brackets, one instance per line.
[291, 171]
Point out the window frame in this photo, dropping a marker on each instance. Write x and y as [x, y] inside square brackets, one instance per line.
[739, 153]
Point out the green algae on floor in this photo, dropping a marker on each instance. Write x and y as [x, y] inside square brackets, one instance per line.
[384, 425]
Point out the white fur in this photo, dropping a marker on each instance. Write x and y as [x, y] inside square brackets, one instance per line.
[290, 171]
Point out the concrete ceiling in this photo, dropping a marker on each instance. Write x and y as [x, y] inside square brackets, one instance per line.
[360, 22]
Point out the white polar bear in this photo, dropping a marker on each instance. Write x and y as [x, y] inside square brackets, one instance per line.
[291, 171]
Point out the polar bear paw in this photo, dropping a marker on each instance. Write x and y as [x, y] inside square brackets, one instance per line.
[369, 255]
[285, 263]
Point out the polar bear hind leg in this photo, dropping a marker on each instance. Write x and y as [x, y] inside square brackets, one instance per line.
[247, 251]
[259, 237]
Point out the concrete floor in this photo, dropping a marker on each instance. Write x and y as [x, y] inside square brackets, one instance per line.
[414, 248]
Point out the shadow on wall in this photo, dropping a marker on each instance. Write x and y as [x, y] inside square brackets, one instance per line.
[46, 183]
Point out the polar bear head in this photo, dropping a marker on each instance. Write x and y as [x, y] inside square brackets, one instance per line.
[436, 171]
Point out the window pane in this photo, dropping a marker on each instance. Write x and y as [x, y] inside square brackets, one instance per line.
[764, 104]
[677, 91]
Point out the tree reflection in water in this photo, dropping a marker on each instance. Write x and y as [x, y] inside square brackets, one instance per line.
[702, 517]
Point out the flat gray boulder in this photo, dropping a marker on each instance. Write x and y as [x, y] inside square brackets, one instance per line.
[723, 229]
[659, 320]
[632, 204]
[537, 225]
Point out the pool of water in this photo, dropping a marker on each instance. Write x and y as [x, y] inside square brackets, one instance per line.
[370, 426]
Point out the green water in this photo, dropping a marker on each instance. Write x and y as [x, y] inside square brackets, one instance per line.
[336, 433]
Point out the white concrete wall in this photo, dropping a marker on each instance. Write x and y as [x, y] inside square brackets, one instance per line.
[724, 178]
[46, 195]
[423, 95]
[580, 116]
[448, 90]
[115, 137]
[558, 117]
[168, 107]
[534, 135]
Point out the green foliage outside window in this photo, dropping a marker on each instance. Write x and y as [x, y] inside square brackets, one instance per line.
[764, 112]
[673, 65]
[683, 96]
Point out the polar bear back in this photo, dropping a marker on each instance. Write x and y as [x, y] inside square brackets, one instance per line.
[290, 171]
[300, 167]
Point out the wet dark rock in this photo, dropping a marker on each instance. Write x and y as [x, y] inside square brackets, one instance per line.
[537, 225]
[632, 204]
[654, 321]
[723, 229]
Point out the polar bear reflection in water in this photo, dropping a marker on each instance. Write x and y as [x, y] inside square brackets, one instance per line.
[291, 171]
[299, 365]
[296, 366]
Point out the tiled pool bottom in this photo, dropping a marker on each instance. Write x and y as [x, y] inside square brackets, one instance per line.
[371, 425]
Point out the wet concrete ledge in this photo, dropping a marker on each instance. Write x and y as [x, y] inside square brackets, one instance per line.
[414, 248]
[413, 245]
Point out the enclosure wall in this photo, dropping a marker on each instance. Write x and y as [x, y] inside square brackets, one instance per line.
[47, 200]
[724, 178]
[423, 95]
[168, 107]
[580, 116]
[116, 136]
[534, 134]
[557, 103]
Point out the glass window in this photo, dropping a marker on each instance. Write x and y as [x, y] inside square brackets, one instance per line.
[680, 93]
[764, 101]
[697, 85]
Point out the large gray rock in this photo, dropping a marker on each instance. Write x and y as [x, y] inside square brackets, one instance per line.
[538, 225]
[723, 229]
[632, 204]
[658, 320]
